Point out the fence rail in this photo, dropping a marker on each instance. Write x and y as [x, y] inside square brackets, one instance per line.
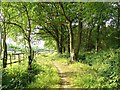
[15, 57]
[18, 57]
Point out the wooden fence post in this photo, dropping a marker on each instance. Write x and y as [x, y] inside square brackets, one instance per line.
[19, 57]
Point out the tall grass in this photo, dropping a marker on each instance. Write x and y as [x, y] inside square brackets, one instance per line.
[15, 77]
[48, 78]
[43, 75]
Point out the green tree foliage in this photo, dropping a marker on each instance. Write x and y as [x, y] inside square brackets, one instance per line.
[66, 23]
[71, 29]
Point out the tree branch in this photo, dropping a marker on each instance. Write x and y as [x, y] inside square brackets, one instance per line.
[17, 26]
[61, 5]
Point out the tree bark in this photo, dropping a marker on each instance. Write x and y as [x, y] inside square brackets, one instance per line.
[70, 34]
[4, 47]
[68, 43]
[0, 40]
[30, 57]
[58, 45]
[71, 43]
[118, 24]
[58, 41]
[61, 40]
[63, 49]
[89, 46]
[118, 21]
[97, 40]
[80, 26]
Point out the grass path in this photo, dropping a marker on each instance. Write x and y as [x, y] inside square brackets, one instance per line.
[65, 83]
[69, 73]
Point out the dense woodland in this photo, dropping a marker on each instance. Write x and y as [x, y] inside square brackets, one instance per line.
[87, 33]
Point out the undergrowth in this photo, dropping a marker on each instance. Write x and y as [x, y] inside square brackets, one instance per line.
[106, 65]
[48, 78]
[17, 76]
[94, 69]
[43, 75]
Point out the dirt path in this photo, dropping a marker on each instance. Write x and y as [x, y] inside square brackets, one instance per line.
[64, 74]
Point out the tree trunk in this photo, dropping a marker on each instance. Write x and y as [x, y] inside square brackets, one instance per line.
[79, 39]
[30, 57]
[5, 48]
[62, 39]
[68, 43]
[58, 46]
[70, 33]
[0, 40]
[118, 24]
[71, 42]
[61, 43]
[97, 40]
[58, 39]
[118, 21]
[89, 46]
[80, 26]
[64, 49]
[5, 55]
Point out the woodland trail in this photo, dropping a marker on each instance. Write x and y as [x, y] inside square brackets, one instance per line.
[64, 74]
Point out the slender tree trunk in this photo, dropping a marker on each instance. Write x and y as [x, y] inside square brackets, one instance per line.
[70, 33]
[0, 40]
[71, 42]
[89, 41]
[58, 41]
[118, 24]
[30, 57]
[5, 48]
[61, 43]
[5, 55]
[63, 48]
[68, 43]
[61, 39]
[79, 39]
[58, 46]
[97, 40]
[118, 21]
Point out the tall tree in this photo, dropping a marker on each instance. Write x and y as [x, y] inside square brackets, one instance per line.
[70, 31]
[0, 34]
[22, 12]
[4, 45]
